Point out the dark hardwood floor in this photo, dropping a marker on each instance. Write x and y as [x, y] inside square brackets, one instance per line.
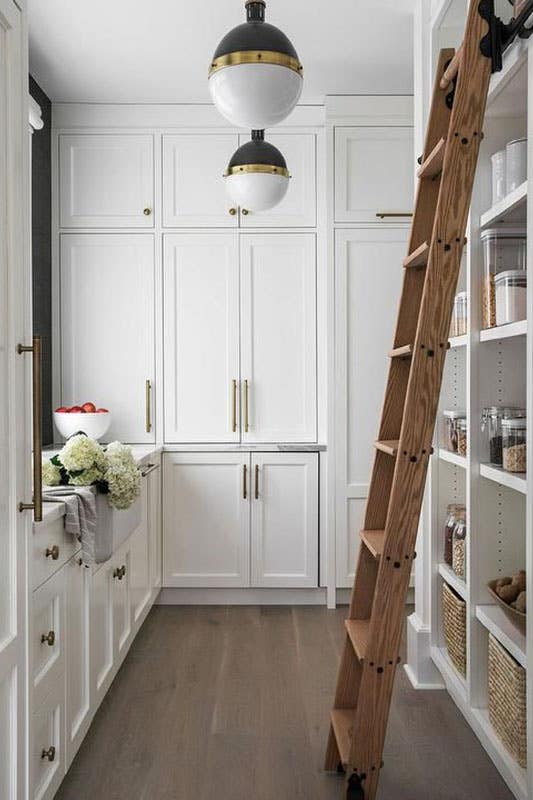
[232, 703]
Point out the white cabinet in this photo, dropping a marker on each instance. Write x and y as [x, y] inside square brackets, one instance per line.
[194, 192]
[102, 661]
[278, 335]
[368, 282]
[206, 519]
[48, 633]
[122, 611]
[140, 574]
[201, 323]
[106, 181]
[107, 328]
[373, 173]
[284, 532]
[78, 641]
[153, 493]
[47, 747]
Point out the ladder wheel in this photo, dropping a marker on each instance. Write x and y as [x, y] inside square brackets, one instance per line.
[355, 790]
[340, 768]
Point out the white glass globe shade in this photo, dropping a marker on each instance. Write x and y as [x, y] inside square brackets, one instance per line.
[255, 96]
[256, 191]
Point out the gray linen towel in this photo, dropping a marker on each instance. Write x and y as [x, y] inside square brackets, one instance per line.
[80, 518]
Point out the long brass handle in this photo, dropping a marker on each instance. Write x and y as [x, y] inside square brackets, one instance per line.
[148, 405]
[49, 754]
[147, 469]
[37, 504]
[234, 405]
[244, 495]
[246, 408]
[257, 481]
[383, 214]
[49, 638]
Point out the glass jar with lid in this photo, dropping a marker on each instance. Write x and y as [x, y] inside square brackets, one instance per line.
[514, 432]
[491, 428]
[450, 428]
[511, 296]
[462, 436]
[453, 513]
[459, 546]
[459, 315]
[504, 248]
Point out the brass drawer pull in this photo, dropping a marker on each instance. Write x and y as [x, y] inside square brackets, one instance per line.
[147, 211]
[244, 211]
[37, 403]
[234, 405]
[148, 405]
[257, 481]
[50, 754]
[246, 408]
[383, 214]
[52, 552]
[232, 211]
[244, 495]
[122, 572]
[49, 638]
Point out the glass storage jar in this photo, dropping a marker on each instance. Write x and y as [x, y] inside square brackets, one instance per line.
[450, 429]
[491, 428]
[499, 189]
[504, 248]
[462, 437]
[511, 296]
[460, 315]
[459, 545]
[515, 164]
[514, 444]
[452, 513]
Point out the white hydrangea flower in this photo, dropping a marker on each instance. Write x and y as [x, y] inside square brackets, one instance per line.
[87, 477]
[122, 475]
[82, 453]
[51, 474]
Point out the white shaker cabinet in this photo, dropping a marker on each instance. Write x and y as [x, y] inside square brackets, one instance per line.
[139, 546]
[153, 479]
[373, 174]
[206, 519]
[78, 645]
[107, 328]
[102, 659]
[194, 191]
[106, 180]
[201, 334]
[278, 337]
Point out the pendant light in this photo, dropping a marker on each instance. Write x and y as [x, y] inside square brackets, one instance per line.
[255, 77]
[257, 177]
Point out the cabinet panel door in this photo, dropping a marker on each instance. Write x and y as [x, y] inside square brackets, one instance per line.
[284, 501]
[140, 561]
[47, 729]
[206, 519]
[298, 207]
[78, 706]
[368, 283]
[48, 620]
[374, 172]
[107, 327]
[154, 525]
[122, 602]
[106, 181]
[201, 319]
[102, 660]
[194, 193]
[278, 350]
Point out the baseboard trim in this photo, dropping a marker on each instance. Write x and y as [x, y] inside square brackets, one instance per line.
[173, 596]
[420, 669]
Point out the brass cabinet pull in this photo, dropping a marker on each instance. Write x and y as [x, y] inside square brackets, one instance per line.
[257, 481]
[244, 482]
[244, 211]
[246, 408]
[52, 552]
[232, 211]
[50, 754]
[119, 572]
[147, 211]
[116, 572]
[49, 638]
[148, 405]
[234, 405]
[383, 214]
[37, 505]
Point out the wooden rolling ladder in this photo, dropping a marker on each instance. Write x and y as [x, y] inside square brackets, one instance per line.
[377, 607]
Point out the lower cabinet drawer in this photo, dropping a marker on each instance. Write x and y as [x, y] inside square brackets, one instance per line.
[47, 753]
[47, 633]
[52, 547]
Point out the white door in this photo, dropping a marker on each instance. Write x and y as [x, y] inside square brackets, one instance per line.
[48, 633]
[298, 207]
[102, 658]
[106, 181]
[78, 641]
[284, 497]
[47, 749]
[140, 568]
[368, 282]
[374, 169]
[121, 601]
[206, 519]
[15, 411]
[154, 524]
[278, 337]
[107, 329]
[194, 193]
[201, 324]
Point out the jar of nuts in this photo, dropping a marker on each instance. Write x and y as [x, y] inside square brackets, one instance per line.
[462, 437]
[450, 432]
[514, 444]
[459, 546]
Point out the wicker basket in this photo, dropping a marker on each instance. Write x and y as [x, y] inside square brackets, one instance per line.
[507, 700]
[454, 624]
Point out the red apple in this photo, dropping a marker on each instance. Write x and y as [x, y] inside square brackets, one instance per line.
[102, 411]
[77, 410]
[89, 408]
[62, 410]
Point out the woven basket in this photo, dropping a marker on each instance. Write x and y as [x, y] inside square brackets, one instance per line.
[507, 700]
[454, 624]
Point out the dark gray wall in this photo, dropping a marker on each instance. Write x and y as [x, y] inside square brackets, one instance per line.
[42, 249]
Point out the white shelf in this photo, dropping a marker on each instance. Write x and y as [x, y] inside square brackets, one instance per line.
[514, 775]
[454, 580]
[455, 682]
[501, 627]
[504, 331]
[511, 209]
[513, 480]
[458, 341]
[452, 458]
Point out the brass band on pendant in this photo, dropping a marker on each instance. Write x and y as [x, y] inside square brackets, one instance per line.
[269, 169]
[256, 57]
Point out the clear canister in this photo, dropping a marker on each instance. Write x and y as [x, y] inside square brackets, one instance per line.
[460, 315]
[511, 296]
[515, 164]
[504, 248]
[459, 546]
[514, 444]
[462, 437]
[499, 189]
[491, 428]
[450, 429]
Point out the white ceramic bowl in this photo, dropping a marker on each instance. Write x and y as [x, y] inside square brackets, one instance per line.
[94, 425]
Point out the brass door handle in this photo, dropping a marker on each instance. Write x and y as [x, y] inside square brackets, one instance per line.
[256, 492]
[244, 494]
[148, 405]
[246, 407]
[244, 211]
[50, 754]
[234, 405]
[52, 552]
[49, 638]
[232, 211]
[147, 211]
[37, 505]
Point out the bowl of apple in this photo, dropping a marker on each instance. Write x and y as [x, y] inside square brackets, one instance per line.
[86, 418]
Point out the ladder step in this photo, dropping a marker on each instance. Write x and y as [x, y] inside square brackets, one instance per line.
[358, 630]
[389, 446]
[374, 540]
[342, 723]
[432, 166]
[418, 258]
[402, 352]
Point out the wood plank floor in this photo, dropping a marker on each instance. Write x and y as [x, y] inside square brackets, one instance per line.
[232, 703]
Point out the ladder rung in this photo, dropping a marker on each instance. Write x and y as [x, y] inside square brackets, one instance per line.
[389, 446]
[452, 69]
[358, 630]
[342, 723]
[402, 352]
[432, 166]
[374, 540]
[418, 258]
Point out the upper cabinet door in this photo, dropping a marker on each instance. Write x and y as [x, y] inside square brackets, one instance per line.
[201, 335]
[107, 329]
[298, 208]
[374, 174]
[194, 194]
[278, 339]
[106, 181]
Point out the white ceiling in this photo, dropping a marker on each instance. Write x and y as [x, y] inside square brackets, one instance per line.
[159, 51]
